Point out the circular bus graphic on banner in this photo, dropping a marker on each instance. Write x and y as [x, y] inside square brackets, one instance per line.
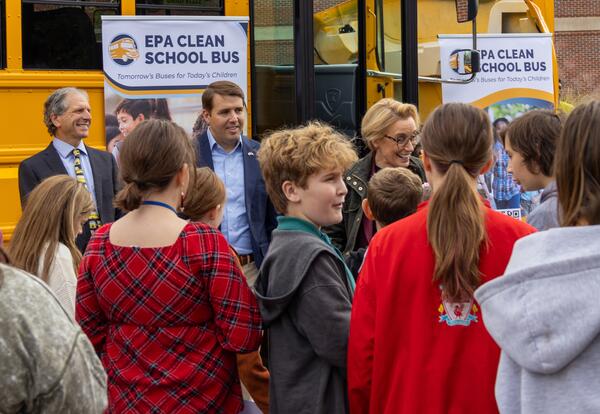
[123, 50]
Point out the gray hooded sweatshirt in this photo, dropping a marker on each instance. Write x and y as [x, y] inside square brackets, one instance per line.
[305, 304]
[545, 315]
[545, 216]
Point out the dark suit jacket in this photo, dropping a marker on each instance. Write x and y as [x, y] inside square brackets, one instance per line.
[260, 212]
[48, 163]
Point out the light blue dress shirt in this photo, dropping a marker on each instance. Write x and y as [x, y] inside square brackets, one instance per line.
[229, 166]
[65, 152]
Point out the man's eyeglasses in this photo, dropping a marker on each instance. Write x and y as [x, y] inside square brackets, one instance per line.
[402, 140]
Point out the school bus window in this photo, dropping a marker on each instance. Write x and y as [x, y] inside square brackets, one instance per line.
[180, 7]
[97, 19]
[64, 34]
[389, 40]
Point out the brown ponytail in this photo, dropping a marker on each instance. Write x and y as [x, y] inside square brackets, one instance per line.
[130, 197]
[457, 139]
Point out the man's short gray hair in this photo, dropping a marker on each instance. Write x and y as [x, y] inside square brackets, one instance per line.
[56, 105]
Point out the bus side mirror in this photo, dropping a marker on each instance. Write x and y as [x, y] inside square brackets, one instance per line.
[466, 10]
[465, 61]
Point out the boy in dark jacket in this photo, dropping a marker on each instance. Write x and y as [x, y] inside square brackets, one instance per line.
[392, 194]
[304, 288]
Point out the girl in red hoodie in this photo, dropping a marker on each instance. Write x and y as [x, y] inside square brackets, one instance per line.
[417, 342]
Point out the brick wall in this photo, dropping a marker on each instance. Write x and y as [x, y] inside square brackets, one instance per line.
[578, 56]
[273, 12]
[578, 52]
[274, 52]
[576, 8]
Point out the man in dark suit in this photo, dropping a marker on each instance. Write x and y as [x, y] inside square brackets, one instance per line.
[67, 115]
[249, 216]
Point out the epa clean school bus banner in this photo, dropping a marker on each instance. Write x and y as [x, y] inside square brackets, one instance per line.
[515, 69]
[168, 61]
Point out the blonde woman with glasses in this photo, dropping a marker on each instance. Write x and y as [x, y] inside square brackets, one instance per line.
[390, 131]
[43, 243]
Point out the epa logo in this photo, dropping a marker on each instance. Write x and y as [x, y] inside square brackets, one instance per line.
[123, 50]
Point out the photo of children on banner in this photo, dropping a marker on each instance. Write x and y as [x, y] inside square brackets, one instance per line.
[131, 112]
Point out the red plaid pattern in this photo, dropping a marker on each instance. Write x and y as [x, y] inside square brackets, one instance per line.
[168, 321]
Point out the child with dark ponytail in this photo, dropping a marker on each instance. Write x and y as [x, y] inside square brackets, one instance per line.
[417, 342]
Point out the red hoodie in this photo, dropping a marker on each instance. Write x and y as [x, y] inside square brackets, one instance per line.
[408, 351]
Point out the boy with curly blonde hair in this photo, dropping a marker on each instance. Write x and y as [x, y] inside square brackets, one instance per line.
[305, 289]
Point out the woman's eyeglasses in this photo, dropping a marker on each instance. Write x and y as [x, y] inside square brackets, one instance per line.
[402, 140]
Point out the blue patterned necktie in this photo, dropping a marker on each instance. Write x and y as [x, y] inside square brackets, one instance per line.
[94, 220]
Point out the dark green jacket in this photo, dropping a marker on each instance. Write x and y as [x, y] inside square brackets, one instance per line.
[345, 234]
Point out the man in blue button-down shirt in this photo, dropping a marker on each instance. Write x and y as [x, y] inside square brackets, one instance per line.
[249, 216]
[67, 115]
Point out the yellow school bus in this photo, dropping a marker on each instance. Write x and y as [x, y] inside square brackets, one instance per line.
[326, 59]
[338, 34]
[49, 44]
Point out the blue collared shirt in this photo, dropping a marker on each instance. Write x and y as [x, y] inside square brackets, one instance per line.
[65, 152]
[229, 166]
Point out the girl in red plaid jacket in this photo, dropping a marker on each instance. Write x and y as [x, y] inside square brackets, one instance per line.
[162, 299]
